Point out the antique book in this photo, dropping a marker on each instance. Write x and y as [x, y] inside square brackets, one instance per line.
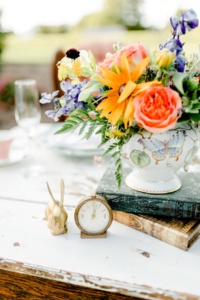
[181, 233]
[184, 203]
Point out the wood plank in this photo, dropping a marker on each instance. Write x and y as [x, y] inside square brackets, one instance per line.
[16, 278]
[21, 286]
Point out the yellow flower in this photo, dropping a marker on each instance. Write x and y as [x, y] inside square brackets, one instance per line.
[117, 104]
[62, 72]
[115, 133]
[165, 58]
[71, 70]
[76, 67]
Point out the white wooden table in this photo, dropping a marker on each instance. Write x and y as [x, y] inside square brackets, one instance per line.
[37, 265]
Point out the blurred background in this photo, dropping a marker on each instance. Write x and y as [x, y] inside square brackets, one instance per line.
[33, 35]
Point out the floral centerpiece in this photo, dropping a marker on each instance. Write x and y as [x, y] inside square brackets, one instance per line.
[131, 90]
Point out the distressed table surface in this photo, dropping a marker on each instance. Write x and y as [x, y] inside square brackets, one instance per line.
[34, 264]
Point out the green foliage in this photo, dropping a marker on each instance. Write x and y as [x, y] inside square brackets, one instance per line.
[91, 87]
[131, 14]
[53, 29]
[178, 81]
[7, 95]
[88, 126]
[118, 169]
[126, 14]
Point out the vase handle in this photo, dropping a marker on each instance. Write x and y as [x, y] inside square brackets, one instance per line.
[196, 159]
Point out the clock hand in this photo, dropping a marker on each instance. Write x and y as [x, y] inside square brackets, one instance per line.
[94, 212]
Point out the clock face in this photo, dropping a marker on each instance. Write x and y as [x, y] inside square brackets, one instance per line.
[94, 216]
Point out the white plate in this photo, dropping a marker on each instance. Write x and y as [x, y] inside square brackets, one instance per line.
[70, 143]
[18, 151]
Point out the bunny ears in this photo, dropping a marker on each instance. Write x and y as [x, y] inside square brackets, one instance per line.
[62, 191]
[55, 213]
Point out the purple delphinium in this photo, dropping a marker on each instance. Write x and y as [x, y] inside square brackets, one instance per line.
[189, 21]
[174, 45]
[48, 98]
[66, 103]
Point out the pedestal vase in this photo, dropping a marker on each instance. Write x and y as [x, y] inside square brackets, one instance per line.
[156, 158]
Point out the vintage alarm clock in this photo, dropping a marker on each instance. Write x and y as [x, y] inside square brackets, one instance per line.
[93, 216]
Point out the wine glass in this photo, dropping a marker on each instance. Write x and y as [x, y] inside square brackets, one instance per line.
[28, 116]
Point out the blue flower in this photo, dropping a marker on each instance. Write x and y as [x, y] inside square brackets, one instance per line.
[180, 64]
[48, 98]
[52, 114]
[69, 101]
[66, 103]
[174, 45]
[65, 86]
[191, 20]
[188, 20]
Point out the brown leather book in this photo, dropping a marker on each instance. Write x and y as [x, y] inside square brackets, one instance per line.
[181, 233]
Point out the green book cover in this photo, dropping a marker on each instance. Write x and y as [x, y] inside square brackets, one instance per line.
[184, 203]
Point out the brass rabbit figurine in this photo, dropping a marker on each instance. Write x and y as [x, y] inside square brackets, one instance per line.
[55, 213]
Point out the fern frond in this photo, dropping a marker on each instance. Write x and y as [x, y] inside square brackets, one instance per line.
[84, 124]
[91, 130]
[118, 171]
[110, 148]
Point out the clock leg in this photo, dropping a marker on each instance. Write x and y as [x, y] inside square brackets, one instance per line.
[93, 236]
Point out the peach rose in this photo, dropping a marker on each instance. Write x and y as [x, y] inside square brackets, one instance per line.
[134, 52]
[157, 109]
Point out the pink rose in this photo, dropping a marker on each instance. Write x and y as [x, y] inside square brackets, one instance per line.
[107, 62]
[157, 109]
[134, 52]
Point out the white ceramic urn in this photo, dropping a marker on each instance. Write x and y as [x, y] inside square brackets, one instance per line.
[156, 157]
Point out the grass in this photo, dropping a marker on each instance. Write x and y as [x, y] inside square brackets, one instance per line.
[41, 48]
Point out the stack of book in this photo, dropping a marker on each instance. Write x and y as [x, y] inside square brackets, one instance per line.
[173, 218]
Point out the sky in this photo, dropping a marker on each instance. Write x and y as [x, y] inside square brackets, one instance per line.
[22, 15]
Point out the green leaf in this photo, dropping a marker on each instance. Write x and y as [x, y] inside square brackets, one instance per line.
[75, 118]
[118, 177]
[140, 158]
[91, 130]
[84, 124]
[71, 122]
[90, 87]
[195, 117]
[178, 81]
[83, 113]
[115, 154]
[85, 71]
[99, 131]
[110, 148]
[118, 171]
[103, 142]
[65, 128]
[92, 60]
[196, 105]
